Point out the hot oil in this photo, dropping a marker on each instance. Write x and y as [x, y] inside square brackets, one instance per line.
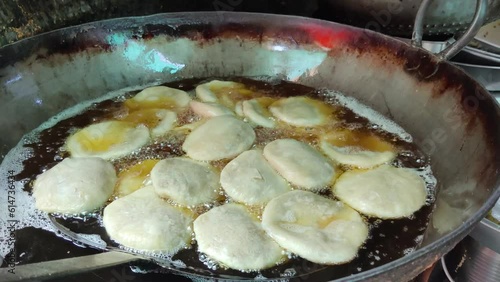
[388, 240]
[48, 148]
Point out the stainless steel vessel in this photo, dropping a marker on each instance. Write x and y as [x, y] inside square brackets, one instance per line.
[396, 17]
[451, 116]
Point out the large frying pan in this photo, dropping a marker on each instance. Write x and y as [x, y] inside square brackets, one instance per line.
[452, 118]
[444, 18]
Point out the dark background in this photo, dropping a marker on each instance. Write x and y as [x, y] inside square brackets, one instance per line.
[24, 18]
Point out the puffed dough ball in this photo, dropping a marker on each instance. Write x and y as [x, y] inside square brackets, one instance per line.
[186, 182]
[75, 185]
[143, 221]
[230, 235]
[238, 108]
[299, 163]
[210, 91]
[107, 140]
[219, 138]
[209, 109]
[383, 192]
[301, 111]
[251, 180]
[158, 97]
[356, 157]
[257, 113]
[167, 121]
[315, 228]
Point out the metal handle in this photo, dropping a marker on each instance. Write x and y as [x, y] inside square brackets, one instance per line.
[496, 95]
[454, 48]
[445, 269]
[62, 267]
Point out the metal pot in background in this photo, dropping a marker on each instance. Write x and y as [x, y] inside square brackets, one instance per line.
[477, 258]
[487, 75]
[22, 19]
[424, 94]
[396, 17]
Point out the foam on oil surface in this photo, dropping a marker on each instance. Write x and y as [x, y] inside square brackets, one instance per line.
[25, 214]
[29, 216]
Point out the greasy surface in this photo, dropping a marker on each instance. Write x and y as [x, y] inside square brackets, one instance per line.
[250, 179]
[443, 18]
[245, 244]
[417, 63]
[383, 192]
[143, 221]
[450, 116]
[185, 181]
[25, 18]
[315, 228]
[380, 248]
